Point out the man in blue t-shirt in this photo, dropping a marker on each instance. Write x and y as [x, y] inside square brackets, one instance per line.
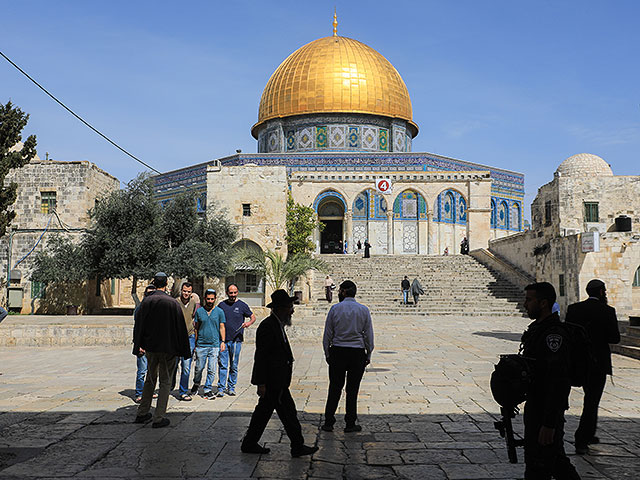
[235, 312]
[210, 333]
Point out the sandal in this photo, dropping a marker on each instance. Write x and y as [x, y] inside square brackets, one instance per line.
[137, 399]
[185, 398]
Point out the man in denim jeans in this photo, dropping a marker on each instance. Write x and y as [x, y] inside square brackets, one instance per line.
[209, 325]
[235, 312]
[189, 302]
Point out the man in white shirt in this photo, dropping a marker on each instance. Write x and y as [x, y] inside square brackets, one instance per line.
[348, 343]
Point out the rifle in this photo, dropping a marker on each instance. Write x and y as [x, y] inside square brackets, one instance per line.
[505, 428]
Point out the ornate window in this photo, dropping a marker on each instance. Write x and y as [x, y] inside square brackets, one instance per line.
[636, 278]
[494, 214]
[462, 210]
[503, 215]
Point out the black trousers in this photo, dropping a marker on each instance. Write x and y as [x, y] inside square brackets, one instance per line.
[543, 463]
[281, 401]
[589, 419]
[328, 293]
[349, 363]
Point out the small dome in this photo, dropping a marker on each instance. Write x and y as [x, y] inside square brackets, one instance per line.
[584, 165]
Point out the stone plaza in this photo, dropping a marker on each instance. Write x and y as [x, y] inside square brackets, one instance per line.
[425, 407]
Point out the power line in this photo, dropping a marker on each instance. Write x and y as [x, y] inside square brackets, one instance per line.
[78, 116]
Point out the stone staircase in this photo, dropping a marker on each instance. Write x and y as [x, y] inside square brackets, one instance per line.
[629, 338]
[454, 285]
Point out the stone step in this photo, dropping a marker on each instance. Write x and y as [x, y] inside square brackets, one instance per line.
[630, 340]
[627, 351]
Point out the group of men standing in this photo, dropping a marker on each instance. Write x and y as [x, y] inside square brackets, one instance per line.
[169, 332]
[548, 342]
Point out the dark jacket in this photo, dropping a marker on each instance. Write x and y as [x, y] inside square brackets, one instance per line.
[405, 284]
[601, 324]
[273, 360]
[545, 341]
[159, 326]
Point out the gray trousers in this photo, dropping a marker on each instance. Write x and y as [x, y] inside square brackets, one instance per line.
[160, 365]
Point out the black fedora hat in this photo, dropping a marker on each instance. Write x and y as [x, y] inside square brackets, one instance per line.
[280, 298]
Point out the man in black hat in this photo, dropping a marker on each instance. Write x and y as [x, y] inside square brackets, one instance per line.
[601, 324]
[160, 331]
[272, 369]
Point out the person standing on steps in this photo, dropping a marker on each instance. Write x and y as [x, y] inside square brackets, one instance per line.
[367, 249]
[601, 325]
[416, 290]
[272, 370]
[359, 245]
[347, 344]
[328, 288]
[405, 286]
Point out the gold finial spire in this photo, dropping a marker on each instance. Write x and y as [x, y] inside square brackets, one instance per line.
[335, 22]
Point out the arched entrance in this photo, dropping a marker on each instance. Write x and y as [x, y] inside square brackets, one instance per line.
[330, 209]
[409, 208]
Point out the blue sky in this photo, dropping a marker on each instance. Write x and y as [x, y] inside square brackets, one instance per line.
[513, 84]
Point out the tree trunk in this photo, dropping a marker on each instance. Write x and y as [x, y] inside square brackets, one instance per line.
[134, 290]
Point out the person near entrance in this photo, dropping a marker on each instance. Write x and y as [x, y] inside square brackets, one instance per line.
[328, 288]
[347, 344]
[236, 312]
[367, 249]
[272, 370]
[601, 325]
[359, 245]
[405, 286]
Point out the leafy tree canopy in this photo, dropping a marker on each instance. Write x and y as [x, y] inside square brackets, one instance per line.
[62, 261]
[12, 121]
[301, 222]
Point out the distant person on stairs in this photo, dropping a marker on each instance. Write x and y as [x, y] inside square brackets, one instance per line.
[367, 249]
[405, 286]
[328, 288]
[416, 290]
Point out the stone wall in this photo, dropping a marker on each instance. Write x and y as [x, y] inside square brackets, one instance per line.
[77, 185]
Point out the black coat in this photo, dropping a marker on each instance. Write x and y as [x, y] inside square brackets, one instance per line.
[273, 360]
[601, 324]
[159, 326]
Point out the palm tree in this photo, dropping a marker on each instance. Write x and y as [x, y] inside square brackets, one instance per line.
[278, 271]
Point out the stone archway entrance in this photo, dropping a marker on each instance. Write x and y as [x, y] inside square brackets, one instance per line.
[331, 214]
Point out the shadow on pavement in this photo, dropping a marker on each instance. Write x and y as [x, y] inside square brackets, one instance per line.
[511, 336]
[197, 445]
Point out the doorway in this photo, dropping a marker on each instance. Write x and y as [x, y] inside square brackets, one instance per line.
[331, 237]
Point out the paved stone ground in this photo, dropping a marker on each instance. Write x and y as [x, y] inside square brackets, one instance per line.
[425, 408]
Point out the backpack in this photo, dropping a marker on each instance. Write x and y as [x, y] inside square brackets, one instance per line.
[511, 379]
[581, 358]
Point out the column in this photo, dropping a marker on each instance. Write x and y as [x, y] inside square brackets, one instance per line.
[390, 246]
[349, 227]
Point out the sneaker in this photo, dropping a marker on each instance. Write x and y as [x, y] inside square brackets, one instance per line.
[303, 450]
[220, 394]
[162, 423]
[209, 395]
[254, 449]
[194, 389]
[352, 428]
[137, 399]
[143, 418]
[185, 397]
[231, 393]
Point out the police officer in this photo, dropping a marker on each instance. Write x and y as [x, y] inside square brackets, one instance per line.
[545, 341]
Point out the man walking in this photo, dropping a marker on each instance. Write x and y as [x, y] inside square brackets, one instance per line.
[601, 325]
[347, 343]
[405, 286]
[210, 334]
[545, 341]
[416, 290]
[235, 313]
[189, 302]
[272, 370]
[160, 331]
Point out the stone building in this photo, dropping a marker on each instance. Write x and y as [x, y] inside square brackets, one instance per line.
[585, 225]
[335, 129]
[53, 197]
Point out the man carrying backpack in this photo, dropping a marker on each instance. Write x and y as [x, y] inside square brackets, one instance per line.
[601, 325]
[545, 341]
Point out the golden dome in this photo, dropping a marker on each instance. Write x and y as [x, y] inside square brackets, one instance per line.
[335, 75]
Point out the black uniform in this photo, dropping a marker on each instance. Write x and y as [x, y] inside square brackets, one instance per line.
[601, 324]
[546, 341]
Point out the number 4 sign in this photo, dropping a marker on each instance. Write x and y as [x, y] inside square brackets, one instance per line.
[383, 185]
